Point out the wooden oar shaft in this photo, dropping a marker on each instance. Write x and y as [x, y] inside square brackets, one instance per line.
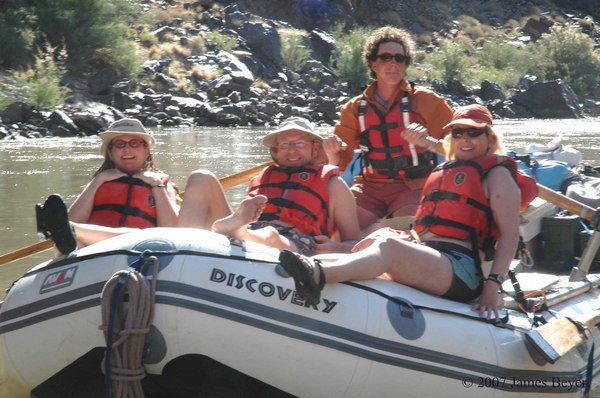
[243, 176]
[227, 182]
[26, 251]
[564, 202]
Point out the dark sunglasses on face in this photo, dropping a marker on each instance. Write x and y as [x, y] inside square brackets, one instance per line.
[387, 57]
[135, 143]
[471, 132]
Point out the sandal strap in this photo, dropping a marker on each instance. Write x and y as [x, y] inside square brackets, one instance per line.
[322, 282]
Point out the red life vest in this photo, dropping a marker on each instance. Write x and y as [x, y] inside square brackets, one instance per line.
[454, 204]
[124, 202]
[385, 153]
[297, 196]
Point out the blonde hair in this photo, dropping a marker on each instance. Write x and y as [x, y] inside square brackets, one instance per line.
[494, 138]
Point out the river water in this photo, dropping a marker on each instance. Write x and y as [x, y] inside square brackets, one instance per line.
[30, 170]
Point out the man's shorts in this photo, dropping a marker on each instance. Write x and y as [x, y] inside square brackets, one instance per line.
[385, 199]
[304, 243]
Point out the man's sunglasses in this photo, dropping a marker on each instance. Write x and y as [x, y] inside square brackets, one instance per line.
[134, 143]
[471, 132]
[387, 57]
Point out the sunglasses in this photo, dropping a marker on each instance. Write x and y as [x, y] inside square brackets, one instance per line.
[135, 143]
[387, 57]
[300, 144]
[471, 132]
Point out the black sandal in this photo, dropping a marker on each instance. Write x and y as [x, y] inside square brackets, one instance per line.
[302, 268]
[53, 222]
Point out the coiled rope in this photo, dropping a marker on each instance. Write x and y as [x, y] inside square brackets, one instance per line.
[127, 303]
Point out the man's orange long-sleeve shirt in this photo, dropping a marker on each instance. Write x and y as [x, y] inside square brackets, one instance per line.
[429, 109]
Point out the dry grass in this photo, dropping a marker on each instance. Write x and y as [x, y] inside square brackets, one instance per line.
[147, 39]
[203, 73]
[166, 50]
[197, 45]
[177, 70]
[286, 33]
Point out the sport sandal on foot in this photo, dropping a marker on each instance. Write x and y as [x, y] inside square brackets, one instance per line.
[302, 268]
[55, 224]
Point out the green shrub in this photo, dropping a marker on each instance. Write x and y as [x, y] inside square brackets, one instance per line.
[569, 55]
[451, 62]
[87, 30]
[294, 52]
[347, 60]
[41, 85]
[502, 63]
[5, 100]
[16, 37]
[223, 42]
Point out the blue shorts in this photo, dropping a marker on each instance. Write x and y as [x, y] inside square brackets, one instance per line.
[305, 244]
[467, 281]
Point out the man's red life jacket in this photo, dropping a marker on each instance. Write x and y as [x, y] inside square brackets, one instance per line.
[297, 196]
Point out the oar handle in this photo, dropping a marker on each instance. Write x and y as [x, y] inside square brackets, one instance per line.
[564, 202]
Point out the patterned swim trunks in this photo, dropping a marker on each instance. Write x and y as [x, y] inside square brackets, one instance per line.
[305, 244]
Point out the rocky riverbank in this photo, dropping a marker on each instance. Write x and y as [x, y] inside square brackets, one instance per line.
[253, 87]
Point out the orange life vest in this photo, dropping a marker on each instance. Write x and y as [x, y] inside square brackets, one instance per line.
[124, 202]
[385, 153]
[454, 204]
[297, 196]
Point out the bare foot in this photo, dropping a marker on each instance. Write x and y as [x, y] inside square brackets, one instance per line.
[235, 224]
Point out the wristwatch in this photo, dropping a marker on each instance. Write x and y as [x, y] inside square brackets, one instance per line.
[496, 278]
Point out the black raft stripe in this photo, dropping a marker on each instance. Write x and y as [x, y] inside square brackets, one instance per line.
[352, 337]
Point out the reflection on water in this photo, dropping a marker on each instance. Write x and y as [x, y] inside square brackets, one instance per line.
[30, 170]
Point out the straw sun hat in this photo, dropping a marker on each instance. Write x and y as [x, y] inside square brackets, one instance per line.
[123, 127]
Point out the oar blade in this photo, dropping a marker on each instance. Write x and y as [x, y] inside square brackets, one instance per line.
[559, 336]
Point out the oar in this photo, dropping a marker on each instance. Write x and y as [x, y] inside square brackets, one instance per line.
[243, 176]
[227, 182]
[559, 336]
[564, 202]
[26, 251]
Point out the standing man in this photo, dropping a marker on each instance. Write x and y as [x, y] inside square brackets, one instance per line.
[394, 170]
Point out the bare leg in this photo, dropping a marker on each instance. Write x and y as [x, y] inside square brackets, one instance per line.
[90, 233]
[367, 221]
[405, 262]
[235, 225]
[204, 201]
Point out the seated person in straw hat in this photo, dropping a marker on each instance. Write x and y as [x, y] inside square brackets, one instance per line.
[297, 204]
[126, 192]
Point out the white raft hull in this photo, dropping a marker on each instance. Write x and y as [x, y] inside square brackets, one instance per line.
[220, 301]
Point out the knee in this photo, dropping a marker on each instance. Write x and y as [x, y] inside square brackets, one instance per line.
[201, 178]
[391, 245]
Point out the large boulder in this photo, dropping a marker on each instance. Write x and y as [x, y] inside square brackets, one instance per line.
[548, 100]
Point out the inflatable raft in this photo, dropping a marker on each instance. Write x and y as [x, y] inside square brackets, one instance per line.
[227, 302]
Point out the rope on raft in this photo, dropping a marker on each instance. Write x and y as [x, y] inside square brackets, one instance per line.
[127, 305]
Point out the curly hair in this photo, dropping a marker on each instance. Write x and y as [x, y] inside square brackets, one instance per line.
[388, 34]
